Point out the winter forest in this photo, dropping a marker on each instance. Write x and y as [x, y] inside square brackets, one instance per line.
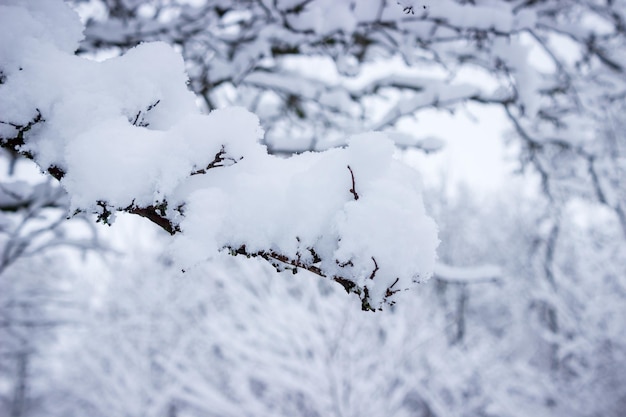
[246, 208]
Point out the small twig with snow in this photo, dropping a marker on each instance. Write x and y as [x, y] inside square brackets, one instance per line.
[217, 162]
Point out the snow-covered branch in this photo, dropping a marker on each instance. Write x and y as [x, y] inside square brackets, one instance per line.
[125, 135]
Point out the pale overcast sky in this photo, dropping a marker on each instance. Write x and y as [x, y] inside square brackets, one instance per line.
[475, 152]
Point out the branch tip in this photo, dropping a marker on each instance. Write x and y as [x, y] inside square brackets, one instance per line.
[353, 189]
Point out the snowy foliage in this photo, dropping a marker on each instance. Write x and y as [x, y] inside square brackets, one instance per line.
[125, 134]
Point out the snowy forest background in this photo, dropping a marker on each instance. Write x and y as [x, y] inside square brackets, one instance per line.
[525, 313]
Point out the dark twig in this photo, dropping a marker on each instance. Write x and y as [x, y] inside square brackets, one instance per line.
[151, 213]
[273, 257]
[17, 142]
[353, 189]
[375, 268]
[217, 162]
[141, 122]
[391, 292]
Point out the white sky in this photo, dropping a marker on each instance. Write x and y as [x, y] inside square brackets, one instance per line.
[475, 152]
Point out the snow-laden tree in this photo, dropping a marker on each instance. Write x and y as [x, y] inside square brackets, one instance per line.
[314, 70]
[126, 135]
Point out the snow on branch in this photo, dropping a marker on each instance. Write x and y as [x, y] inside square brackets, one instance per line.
[125, 135]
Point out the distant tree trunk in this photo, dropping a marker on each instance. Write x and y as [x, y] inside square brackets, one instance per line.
[460, 314]
[18, 403]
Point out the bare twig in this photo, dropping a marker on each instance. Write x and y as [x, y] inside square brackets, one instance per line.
[353, 189]
[373, 274]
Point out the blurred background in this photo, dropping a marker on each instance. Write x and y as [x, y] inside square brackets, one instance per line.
[512, 110]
